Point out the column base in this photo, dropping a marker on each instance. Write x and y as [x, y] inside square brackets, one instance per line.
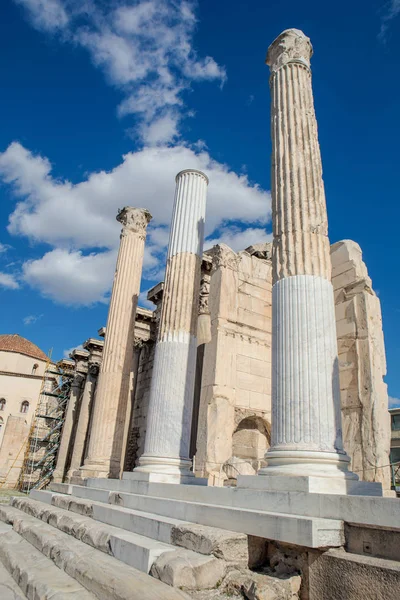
[311, 472]
[97, 470]
[160, 469]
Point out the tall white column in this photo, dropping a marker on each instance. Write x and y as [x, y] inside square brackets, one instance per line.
[306, 415]
[115, 379]
[166, 452]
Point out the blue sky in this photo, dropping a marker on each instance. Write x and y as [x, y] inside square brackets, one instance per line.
[103, 102]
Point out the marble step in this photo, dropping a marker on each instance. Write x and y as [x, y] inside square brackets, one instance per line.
[228, 545]
[26, 574]
[312, 532]
[135, 550]
[9, 590]
[102, 576]
[368, 510]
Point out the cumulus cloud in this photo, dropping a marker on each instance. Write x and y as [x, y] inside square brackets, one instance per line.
[394, 402]
[392, 10]
[8, 281]
[239, 239]
[78, 220]
[145, 48]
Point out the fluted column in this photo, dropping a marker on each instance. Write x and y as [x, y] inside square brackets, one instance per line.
[166, 452]
[306, 416]
[115, 378]
[70, 420]
[95, 348]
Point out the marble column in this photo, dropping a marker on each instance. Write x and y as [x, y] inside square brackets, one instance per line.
[81, 367]
[306, 414]
[115, 378]
[166, 451]
[95, 349]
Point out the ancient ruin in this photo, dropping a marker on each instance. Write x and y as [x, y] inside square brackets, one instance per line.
[234, 441]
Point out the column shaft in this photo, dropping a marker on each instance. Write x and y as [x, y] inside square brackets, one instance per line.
[171, 395]
[306, 417]
[71, 417]
[115, 378]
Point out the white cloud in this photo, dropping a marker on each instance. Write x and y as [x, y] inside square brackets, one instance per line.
[394, 402]
[49, 15]
[78, 220]
[31, 319]
[71, 277]
[392, 10]
[239, 239]
[4, 248]
[8, 281]
[145, 48]
[68, 351]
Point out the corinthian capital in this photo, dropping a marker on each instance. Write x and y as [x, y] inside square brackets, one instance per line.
[134, 220]
[292, 45]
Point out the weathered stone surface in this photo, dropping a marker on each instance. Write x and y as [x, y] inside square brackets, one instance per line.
[9, 590]
[102, 575]
[108, 428]
[228, 545]
[362, 365]
[189, 570]
[262, 586]
[36, 575]
[337, 574]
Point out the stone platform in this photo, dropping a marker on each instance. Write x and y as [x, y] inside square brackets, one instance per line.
[104, 539]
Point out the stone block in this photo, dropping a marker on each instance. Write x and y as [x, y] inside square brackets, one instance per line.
[262, 586]
[189, 570]
[338, 574]
[251, 382]
[226, 545]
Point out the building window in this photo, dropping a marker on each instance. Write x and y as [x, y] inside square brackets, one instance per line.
[35, 368]
[2, 403]
[25, 406]
[395, 422]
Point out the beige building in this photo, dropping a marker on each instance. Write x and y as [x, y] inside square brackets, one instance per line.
[22, 366]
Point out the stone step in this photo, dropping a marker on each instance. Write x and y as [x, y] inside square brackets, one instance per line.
[368, 510]
[9, 590]
[311, 532]
[135, 550]
[228, 545]
[31, 575]
[102, 576]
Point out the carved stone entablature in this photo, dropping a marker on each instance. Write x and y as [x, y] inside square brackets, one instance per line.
[263, 251]
[223, 256]
[290, 46]
[155, 293]
[134, 220]
[80, 357]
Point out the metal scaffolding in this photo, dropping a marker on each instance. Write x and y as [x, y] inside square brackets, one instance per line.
[45, 432]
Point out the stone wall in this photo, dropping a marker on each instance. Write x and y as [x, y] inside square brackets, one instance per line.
[235, 398]
[13, 449]
[235, 384]
[362, 364]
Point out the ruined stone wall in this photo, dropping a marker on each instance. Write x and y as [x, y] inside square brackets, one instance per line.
[362, 365]
[235, 398]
